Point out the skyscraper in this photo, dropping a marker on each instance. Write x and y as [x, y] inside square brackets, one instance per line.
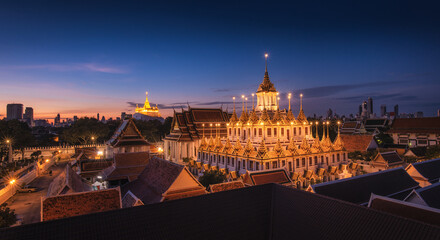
[370, 105]
[29, 116]
[383, 110]
[396, 111]
[57, 120]
[14, 111]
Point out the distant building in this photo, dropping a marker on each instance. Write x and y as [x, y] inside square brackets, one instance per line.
[370, 106]
[427, 196]
[147, 112]
[387, 160]
[29, 116]
[57, 120]
[329, 113]
[123, 114]
[41, 123]
[14, 111]
[416, 131]
[75, 118]
[396, 111]
[419, 114]
[383, 110]
[425, 172]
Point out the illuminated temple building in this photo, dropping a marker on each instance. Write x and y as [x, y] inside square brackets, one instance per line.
[147, 112]
[263, 137]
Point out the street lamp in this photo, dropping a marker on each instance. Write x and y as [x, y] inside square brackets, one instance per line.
[12, 181]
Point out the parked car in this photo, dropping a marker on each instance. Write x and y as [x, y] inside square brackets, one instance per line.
[27, 189]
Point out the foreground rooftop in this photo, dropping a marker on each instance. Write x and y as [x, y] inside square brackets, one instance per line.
[261, 212]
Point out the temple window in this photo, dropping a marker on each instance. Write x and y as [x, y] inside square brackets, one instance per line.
[269, 132]
[316, 160]
[244, 164]
[275, 132]
[282, 132]
[230, 131]
[239, 132]
[255, 132]
[235, 131]
[294, 131]
[283, 163]
[303, 162]
[260, 132]
[322, 159]
[306, 130]
[274, 164]
[337, 157]
[310, 161]
[299, 131]
[288, 134]
[290, 166]
[297, 162]
[333, 158]
[267, 165]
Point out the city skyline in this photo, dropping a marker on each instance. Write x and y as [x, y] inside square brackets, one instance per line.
[104, 61]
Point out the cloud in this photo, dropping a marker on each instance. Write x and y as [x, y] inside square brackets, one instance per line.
[222, 89]
[330, 90]
[86, 67]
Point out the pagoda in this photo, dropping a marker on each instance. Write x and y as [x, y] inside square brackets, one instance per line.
[147, 109]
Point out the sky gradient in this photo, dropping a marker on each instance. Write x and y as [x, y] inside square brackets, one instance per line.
[81, 58]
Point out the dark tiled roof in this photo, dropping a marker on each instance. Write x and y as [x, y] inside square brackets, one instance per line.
[127, 134]
[416, 125]
[261, 212]
[155, 180]
[430, 169]
[431, 195]
[356, 142]
[75, 204]
[405, 209]
[358, 189]
[226, 186]
[95, 165]
[391, 157]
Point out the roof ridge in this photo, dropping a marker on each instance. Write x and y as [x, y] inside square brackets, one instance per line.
[356, 177]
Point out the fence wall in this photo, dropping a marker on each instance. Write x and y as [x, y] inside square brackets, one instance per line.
[11, 189]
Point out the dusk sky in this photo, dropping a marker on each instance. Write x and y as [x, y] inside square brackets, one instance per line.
[78, 58]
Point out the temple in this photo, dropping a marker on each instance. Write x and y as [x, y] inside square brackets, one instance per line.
[147, 110]
[264, 137]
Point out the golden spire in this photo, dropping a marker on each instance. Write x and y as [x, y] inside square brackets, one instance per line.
[301, 100]
[301, 115]
[293, 149]
[262, 150]
[265, 56]
[248, 149]
[237, 146]
[147, 103]
[253, 106]
[278, 149]
[227, 147]
[305, 147]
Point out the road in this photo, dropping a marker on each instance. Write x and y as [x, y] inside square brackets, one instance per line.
[27, 205]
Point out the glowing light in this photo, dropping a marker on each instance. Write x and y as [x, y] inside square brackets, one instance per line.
[304, 123]
[100, 153]
[203, 125]
[278, 123]
[8, 141]
[159, 149]
[339, 122]
[266, 55]
[12, 181]
[227, 124]
[210, 125]
[301, 95]
[233, 98]
[253, 94]
[59, 151]
[242, 96]
[247, 123]
[291, 123]
[99, 177]
[47, 160]
[317, 123]
[261, 124]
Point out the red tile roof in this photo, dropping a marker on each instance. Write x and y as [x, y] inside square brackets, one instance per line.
[267, 176]
[68, 181]
[356, 142]
[416, 125]
[80, 203]
[226, 186]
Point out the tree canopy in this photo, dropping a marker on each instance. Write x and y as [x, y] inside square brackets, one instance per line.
[212, 177]
[7, 216]
[86, 131]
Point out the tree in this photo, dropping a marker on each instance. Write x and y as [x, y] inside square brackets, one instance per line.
[19, 133]
[212, 177]
[86, 131]
[7, 216]
[383, 139]
[433, 152]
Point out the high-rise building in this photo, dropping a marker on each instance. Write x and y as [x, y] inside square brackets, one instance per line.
[14, 111]
[29, 116]
[360, 110]
[370, 106]
[383, 110]
[396, 111]
[75, 118]
[123, 114]
[97, 116]
[329, 113]
[57, 120]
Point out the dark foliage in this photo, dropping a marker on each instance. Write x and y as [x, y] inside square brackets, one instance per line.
[212, 177]
[7, 216]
